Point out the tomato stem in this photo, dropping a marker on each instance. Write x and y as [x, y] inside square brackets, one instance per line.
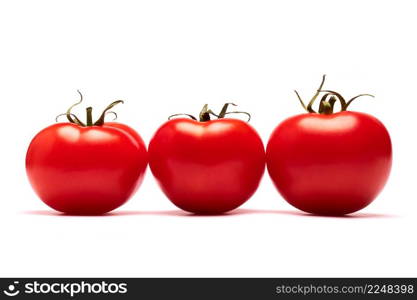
[89, 116]
[205, 113]
[327, 106]
[72, 118]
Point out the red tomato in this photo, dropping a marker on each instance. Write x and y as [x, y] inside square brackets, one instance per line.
[329, 163]
[207, 167]
[91, 169]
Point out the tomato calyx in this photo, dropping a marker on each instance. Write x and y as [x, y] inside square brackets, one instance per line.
[72, 118]
[328, 100]
[206, 113]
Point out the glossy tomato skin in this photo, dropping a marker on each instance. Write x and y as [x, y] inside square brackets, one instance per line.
[207, 167]
[329, 164]
[86, 170]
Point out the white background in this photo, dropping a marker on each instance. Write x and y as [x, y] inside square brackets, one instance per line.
[166, 57]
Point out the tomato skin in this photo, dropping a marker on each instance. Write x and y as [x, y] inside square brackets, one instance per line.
[329, 164]
[207, 167]
[86, 170]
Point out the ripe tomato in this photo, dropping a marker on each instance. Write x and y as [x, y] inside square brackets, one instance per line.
[86, 169]
[329, 163]
[207, 166]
